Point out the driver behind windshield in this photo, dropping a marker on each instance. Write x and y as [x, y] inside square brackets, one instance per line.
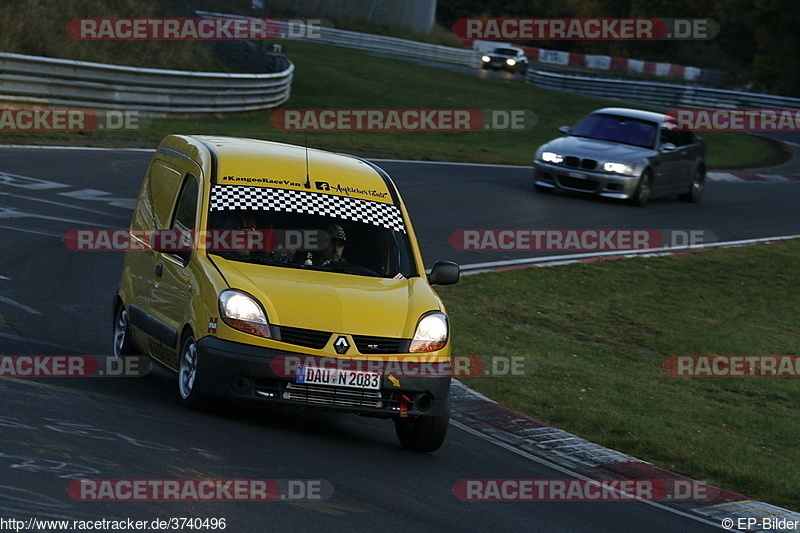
[333, 253]
[245, 243]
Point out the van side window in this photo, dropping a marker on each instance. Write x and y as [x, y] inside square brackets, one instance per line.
[186, 213]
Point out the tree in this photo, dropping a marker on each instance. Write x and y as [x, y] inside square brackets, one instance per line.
[776, 66]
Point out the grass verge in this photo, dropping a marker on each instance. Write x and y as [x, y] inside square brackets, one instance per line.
[595, 337]
[339, 78]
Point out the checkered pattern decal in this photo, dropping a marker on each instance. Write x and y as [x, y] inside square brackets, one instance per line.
[224, 197]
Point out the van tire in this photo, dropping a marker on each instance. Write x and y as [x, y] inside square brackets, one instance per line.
[123, 343]
[423, 433]
[188, 375]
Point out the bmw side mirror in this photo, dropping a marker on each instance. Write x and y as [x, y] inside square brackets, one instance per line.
[564, 129]
[444, 273]
[668, 147]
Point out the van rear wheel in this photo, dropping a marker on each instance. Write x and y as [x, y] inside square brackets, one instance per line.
[423, 433]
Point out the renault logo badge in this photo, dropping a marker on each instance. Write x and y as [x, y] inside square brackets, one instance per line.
[341, 345]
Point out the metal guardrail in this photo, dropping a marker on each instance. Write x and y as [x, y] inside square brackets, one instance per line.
[373, 43]
[42, 80]
[667, 94]
[394, 46]
[397, 46]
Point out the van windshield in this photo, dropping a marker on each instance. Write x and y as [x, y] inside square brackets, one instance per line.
[311, 241]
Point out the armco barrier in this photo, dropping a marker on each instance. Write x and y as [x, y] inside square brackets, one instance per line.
[667, 94]
[27, 80]
[381, 44]
[397, 46]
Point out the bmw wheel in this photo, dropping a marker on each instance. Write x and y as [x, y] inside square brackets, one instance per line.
[642, 194]
[695, 187]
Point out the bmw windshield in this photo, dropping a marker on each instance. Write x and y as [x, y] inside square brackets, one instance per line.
[617, 129]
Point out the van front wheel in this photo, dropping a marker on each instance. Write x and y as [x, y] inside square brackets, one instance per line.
[423, 433]
[187, 375]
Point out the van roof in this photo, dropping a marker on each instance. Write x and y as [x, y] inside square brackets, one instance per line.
[256, 163]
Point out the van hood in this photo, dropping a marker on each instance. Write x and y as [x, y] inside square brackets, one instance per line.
[332, 301]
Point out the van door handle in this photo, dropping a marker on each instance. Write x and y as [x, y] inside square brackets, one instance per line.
[159, 270]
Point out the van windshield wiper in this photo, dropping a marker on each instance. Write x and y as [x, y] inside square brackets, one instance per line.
[256, 259]
[352, 268]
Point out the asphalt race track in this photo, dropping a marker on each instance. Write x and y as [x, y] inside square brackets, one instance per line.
[54, 301]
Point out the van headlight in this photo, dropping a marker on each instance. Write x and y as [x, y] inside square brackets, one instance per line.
[431, 334]
[241, 311]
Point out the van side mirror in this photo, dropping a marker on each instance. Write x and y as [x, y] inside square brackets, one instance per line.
[172, 241]
[444, 273]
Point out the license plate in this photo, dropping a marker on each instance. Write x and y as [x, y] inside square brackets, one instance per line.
[576, 175]
[339, 377]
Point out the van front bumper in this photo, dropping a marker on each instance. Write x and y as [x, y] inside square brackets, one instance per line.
[255, 373]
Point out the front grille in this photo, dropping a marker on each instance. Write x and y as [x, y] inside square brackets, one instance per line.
[576, 162]
[309, 338]
[380, 345]
[337, 396]
[577, 183]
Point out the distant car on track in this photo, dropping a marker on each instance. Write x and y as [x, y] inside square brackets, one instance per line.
[622, 153]
[508, 58]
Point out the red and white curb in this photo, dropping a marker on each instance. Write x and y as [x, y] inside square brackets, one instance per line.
[591, 257]
[481, 415]
[476, 413]
[751, 178]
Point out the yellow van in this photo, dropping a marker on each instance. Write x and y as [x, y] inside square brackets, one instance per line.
[277, 273]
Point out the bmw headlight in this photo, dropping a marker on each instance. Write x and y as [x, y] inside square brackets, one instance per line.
[241, 311]
[552, 157]
[486, 59]
[431, 334]
[617, 168]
